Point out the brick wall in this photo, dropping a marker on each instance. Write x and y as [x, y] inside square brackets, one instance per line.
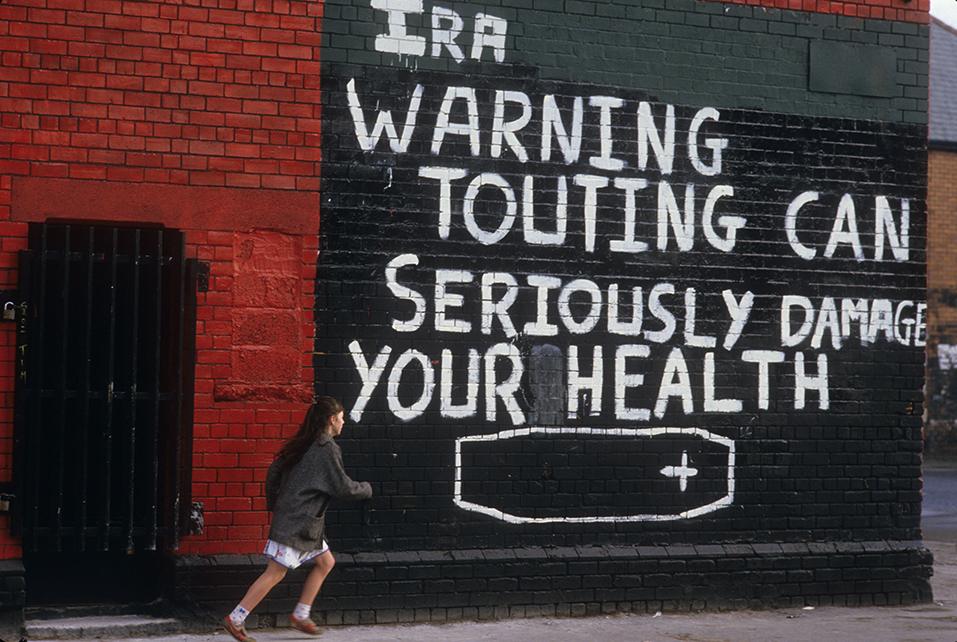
[203, 118]
[525, 447]
[160, 92]
[477, 255]
[420, 586]
[942, 292]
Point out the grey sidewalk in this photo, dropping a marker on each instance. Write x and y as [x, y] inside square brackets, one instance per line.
[936, 622]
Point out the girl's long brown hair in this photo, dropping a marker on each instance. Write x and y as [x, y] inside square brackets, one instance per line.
[314, 423]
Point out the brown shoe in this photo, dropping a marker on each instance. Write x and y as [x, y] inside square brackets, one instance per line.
[238, 632]
[306, 626]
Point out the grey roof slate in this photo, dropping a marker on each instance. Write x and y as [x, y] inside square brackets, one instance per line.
[943, 83]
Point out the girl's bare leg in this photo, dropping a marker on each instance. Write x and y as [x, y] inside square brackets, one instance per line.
[317, 576]
[264, 583]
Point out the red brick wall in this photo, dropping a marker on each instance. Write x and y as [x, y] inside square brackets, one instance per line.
[204, 118]
[219, 102]
[907, 10]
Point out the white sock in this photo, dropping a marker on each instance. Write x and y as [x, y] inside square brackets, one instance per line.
[238, 616]
[301, 612]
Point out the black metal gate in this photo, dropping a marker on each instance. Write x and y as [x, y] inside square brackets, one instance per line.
[105, 344]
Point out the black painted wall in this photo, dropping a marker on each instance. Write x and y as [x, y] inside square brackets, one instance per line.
[705, 441]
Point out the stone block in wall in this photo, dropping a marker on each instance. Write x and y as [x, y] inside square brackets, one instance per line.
[269, 364]
[258, 327]
[267, 252]
[266, 290]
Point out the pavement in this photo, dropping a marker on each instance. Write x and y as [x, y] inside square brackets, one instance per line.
[933, 622]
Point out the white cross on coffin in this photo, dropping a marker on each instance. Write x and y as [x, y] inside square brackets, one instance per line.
[682, 472]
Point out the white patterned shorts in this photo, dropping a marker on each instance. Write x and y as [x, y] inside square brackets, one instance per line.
[289, 556]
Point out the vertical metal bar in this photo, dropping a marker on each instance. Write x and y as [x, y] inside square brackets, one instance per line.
[179, 429]
[134, 347]
[85, 401]
[157, 370]
[37, 440]
[61, 387]
[106, 521]
[23, 395]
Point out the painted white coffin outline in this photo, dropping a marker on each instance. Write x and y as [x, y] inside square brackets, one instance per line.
[723, 502]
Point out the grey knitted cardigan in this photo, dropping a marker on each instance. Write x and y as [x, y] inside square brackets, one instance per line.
[298, 499]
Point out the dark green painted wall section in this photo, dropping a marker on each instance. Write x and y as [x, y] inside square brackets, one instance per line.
[693, 53]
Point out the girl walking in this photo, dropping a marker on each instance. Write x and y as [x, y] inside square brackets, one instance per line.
[300, 483]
